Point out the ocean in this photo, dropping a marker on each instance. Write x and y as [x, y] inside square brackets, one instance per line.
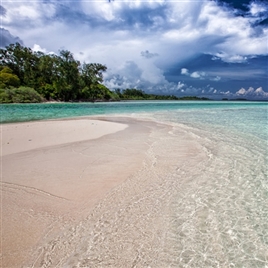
[216, 209]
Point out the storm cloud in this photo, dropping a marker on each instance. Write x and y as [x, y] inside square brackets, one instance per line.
[221, 44]
[7, 38]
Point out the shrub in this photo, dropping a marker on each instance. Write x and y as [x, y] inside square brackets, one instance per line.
[4, 96]
[7, 78]
[19, 95]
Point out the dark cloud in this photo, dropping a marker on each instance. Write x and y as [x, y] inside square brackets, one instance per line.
[221, 43]
[242, 5]
[224, 76]
[144, 16]
[7, 38]
[148, 55]
[65, 13]
[141, 17]
[3, 11]
[263, 22]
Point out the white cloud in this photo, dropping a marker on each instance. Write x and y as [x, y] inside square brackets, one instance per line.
[259, 90]
[37, 48]
[217, 78]
[143, 74]
[257, 8]
[195, 75]
[230, 58]
[241, 91]
[237, 32]
[250, 92]
[153, 35]
[199, 75]
[27, 14]
[185, 71]
[180, 85]
[188, 23]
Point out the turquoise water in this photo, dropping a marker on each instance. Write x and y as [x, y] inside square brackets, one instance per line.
[29, 112]
[247, 116]
[218, 208]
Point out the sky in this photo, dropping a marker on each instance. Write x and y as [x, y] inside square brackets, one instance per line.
[206, 48]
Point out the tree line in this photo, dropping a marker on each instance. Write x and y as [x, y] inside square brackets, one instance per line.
[137, 94]
[30, 76]
[53, 77]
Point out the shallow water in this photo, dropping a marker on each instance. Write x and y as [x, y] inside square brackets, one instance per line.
[200, 200]
[222, 213]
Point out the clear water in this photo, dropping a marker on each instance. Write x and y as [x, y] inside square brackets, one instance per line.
[28, 112]
[244, 117]
[218, 216]
[223, 212]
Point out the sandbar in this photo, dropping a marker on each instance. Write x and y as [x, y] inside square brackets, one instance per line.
[52, 171]
[92, 192]
[19, 137]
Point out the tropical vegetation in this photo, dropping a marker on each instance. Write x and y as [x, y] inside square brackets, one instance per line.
[30, 76]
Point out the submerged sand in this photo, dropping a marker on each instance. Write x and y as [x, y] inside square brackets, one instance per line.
[91, 192]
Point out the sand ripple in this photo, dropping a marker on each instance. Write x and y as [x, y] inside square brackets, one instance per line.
[191, 203]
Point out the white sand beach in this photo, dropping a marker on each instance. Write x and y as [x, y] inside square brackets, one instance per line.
[122, 192]
[55, 172]
[111, 192]
[20, 137]
[62, 175]
[49, 170]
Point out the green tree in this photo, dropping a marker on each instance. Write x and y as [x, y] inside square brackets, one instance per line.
[49, 76]
[67, 83]
[133, 93]
[58, 77]
[90, 79]
[7, 78]
[22, 61]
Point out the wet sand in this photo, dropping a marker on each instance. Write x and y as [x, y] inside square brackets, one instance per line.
[91, 193]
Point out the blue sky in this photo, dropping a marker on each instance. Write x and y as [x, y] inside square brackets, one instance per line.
[216, 49]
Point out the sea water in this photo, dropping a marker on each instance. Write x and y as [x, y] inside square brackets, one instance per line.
[219, 215]
[223, 213]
